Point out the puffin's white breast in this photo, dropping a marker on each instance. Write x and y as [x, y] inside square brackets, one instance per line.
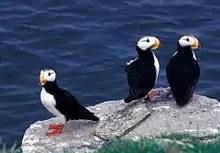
[157, 66]
[194, 56]
[49, 102]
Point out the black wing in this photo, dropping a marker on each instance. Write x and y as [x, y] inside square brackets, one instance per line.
[141, 77]
[142, 74]
[131, 73]
[182, 76]
[68, 105]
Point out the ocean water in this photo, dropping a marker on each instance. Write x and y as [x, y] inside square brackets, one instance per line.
[88, 43]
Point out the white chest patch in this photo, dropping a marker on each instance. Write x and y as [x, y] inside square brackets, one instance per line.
[194, 56]
[157, 66]
[49, 103]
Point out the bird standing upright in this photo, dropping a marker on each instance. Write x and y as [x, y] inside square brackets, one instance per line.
[183, 70]
[60, 102]
[142, 72]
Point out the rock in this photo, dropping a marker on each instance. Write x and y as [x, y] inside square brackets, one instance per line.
[137, 119]
[81, 136]
[122, 120]
[199, 118]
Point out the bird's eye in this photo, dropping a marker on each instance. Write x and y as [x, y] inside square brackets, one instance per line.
[49, 73]
[148, 40]
[187, 39]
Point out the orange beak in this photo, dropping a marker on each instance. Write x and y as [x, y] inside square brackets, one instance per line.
[160, 44]
[199, 45]
[157, 44]
[196, 44]
[41, 79]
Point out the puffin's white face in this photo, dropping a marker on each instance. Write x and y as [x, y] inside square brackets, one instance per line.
[189, 41]
[47, 76]
[148, 42]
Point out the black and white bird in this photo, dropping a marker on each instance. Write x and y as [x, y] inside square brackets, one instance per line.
[142, 72]
[183, 70]
[60, 102]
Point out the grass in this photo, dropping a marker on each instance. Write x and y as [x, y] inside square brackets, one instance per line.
[12, 150]
[130, 146]
[173, 143]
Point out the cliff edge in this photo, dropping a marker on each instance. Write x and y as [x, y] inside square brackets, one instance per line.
[117, 119]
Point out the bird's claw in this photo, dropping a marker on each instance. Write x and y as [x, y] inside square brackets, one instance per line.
[57, 129]
[55, 126]
[151, 94]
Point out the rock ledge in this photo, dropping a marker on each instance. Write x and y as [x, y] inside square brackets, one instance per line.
[137, 119]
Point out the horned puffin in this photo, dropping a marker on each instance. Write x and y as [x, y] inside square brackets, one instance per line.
[183, 70]
[142, 72]
[60, 102]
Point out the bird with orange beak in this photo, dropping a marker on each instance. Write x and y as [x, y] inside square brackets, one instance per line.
[60, 102]
[183, 70]
[142, 72]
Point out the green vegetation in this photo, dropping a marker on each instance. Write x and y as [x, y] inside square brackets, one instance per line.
[174, 143]
[12, 150]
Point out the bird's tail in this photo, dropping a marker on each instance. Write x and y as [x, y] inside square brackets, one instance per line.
[94, 118]
[90, 116]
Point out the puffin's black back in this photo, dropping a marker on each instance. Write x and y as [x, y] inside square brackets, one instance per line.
[141, 73]
[183, 74]
[67, 104]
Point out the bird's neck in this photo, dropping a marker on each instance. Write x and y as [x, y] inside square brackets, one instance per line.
[146, 55]
[185, 51]
[51, 87]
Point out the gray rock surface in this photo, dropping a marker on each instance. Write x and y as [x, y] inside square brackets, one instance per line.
[137, 119]
[199, 118]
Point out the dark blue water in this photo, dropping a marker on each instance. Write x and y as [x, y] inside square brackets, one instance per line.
[88, 42]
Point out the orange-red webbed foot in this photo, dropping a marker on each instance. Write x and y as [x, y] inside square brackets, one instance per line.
[151, 94]
[55, 126]
[57, 129]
